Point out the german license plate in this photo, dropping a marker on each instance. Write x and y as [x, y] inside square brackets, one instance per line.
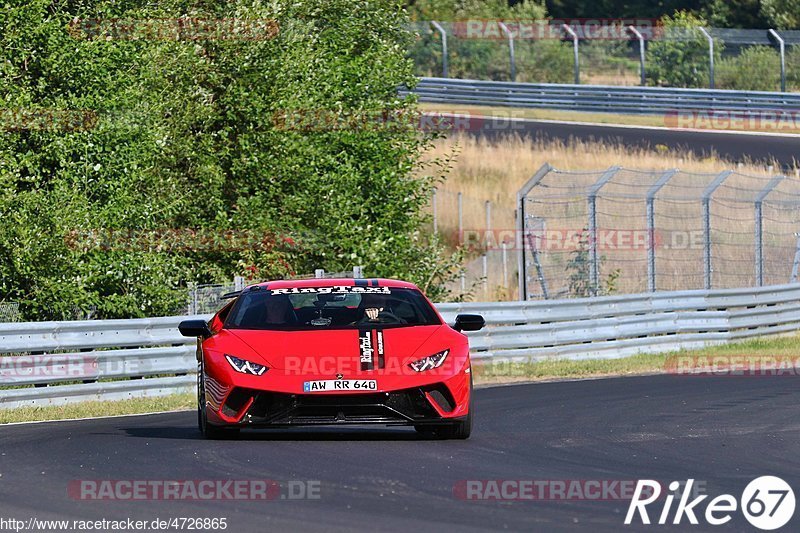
[330, 385]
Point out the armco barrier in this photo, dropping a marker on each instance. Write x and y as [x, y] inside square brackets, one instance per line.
[645, 100]
[117, 359]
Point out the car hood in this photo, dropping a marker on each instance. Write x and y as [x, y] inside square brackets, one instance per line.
[342, 348]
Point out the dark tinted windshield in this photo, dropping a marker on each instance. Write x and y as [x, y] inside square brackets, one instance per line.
[330, 308]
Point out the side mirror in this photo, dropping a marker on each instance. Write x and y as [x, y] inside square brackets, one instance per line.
[469, 323]
[194, 328]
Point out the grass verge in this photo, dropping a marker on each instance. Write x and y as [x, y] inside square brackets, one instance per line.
[99, 409]
[786, 347]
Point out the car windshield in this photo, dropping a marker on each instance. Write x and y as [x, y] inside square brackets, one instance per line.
[330, 308]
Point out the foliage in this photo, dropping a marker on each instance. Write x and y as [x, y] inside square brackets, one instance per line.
[682, 59]
[544, 61]
[579, 267]
[734, 14]
[782, 14]
[187, 137]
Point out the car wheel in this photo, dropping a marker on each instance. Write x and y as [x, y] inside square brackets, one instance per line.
[206, 429]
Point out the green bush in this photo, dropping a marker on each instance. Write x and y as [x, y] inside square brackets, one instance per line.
[537, 61]
[187, 137]
[757, 68]
[681, 60]
[793, 68]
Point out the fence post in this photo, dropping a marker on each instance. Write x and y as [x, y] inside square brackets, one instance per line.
[796, 262]
[511, 58]
[710, 56]
[505, 264]
[358, 272]
[520, 212]
[460, 217]
[443, 33]
[782, 47]
[319, 273]
[238, 283]
[485, 266]
[574, 37]
[707, 225]
[759, 252]
[640, 38]
[192, 308]
[651, 227]
[594, 267]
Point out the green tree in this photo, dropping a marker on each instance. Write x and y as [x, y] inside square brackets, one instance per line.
[782, 14]
[187, 136]
[734, 14]
[757, 68]
[680, 59]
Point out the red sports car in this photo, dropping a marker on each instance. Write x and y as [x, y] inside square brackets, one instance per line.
[333, 351]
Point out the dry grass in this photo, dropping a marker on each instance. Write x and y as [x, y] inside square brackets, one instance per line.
[493, 170]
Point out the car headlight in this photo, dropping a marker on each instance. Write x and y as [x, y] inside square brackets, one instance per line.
[430, 362]
[246, 367]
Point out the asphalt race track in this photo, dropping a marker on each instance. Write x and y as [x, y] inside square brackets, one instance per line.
[733, 146]
[722, 431]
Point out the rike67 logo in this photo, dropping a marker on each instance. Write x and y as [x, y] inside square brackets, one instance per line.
[767, 503]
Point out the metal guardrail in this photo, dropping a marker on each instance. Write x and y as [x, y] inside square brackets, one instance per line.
[117, 359]
[644, 100]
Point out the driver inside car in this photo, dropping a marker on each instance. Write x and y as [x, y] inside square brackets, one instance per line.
[377, 308]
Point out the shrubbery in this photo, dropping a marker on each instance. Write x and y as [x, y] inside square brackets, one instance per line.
[757, 68]
[186, 137]
[681, 62]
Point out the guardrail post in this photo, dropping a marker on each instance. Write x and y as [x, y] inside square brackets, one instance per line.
[521, 214]
[759, 253]
[511, 58]
[594, 267]
[651, 227]
[782, 47]
[710, 56]
[640, 38]
[443, 33]
[574, 37]
[713, 186]
[796, 262]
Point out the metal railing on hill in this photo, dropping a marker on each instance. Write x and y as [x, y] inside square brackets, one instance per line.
[601, 98]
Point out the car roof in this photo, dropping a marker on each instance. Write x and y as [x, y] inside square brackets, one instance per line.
[337, 282]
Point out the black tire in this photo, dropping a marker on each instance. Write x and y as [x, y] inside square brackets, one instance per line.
[206, 429]
[460, 429]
